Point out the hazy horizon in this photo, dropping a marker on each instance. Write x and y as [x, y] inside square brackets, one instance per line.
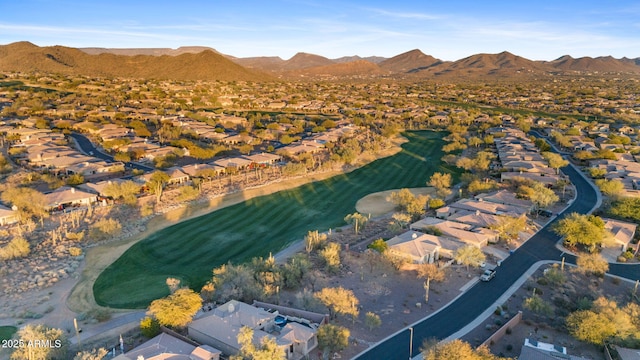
[544, 30]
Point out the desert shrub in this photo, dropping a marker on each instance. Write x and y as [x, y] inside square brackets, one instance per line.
[187, 193]
[104, 228]
[75, 251]
[75, 236]
[436, 203]
[100, 315]
[16, 248]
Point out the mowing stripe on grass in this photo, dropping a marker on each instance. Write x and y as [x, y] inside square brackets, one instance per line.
[191, 249]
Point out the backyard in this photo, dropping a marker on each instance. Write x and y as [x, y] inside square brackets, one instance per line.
[191, 249]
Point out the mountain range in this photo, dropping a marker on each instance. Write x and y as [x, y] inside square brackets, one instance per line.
[204, 63]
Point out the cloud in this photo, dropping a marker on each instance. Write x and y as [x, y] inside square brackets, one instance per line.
[404, 15]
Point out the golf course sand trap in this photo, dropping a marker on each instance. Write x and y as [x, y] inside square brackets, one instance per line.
[377, 204]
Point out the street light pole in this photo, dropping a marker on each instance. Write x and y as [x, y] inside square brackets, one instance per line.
[410, 343]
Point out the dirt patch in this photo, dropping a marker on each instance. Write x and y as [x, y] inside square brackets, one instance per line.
[377, 204]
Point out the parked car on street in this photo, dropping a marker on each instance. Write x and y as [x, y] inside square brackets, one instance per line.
[488, 275]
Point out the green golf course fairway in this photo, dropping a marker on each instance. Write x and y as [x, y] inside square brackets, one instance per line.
[191, 249]
[6, 332]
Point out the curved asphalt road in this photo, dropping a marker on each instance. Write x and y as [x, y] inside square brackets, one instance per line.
[467, 307]
[87, 147]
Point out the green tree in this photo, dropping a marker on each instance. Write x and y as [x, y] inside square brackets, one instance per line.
[332, 338]
[541, 196]
[357, 220]
[372, 321]
[235, 282]
[32, 333]
[592, 264]
[294, 270]
[331, 257]
[458, 350]
[30, 202]
[177, 309]
[597, 173]
[611, 188]
[122, 156]
[339, 301]
[537, 305]
[587, 230]
[75, 179]
[442, 183]
[268, 349]
[94, 354]
[556, 161]
[509, 227]
[469, 255]
[157, 182]
[379, 245]
[149, 327]
[605, 321]
[628, 208]
[126, 191]
[407, 202]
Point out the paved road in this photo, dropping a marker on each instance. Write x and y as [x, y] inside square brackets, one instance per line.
[87, 147]
[467, 307]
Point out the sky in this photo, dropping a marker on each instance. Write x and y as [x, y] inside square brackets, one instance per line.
[448, 30]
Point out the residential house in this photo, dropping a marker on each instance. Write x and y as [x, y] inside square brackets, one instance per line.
[624, 353]
[166, 346]
[239, 163]
[67, 196]
[622, 231]
[263, 159]
[96, 167]
[487, 207]
[176, 175]
[113, 131]
[464, 233]
[61, 163]
[505, 197]
[8, 216]
[238, 139]
[195, 170]
[537, 350]
[422, 248]
[220, 328]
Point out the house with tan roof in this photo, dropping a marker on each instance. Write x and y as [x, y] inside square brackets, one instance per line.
[168, 347]
[220, 327]
[423, 248]
[505, 197]
[67, 196]
[538, 350]
[195, 170]
[239, 163]
[8, 216]
[622, 233]
[96, 167]
[464, 233]
[176, 175]
[482, 206]
[263, 158]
